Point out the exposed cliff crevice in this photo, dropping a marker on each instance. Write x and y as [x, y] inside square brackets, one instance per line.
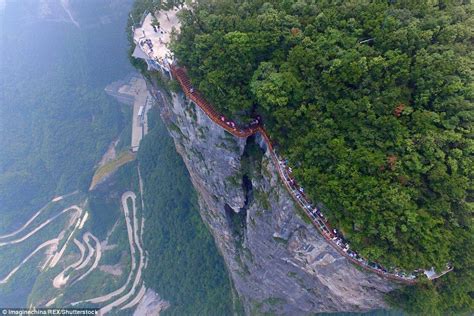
[248, 192]
[237, 223]
[251, 164]
[278, 262]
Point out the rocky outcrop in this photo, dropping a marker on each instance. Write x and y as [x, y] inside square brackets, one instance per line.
[278, 262]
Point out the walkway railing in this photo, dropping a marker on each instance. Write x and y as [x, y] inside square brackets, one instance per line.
[332, 236]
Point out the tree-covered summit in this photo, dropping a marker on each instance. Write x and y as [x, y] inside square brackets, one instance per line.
[371, 103]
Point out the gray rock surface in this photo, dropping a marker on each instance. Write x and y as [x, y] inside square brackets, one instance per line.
[278, 262]
[151, 304]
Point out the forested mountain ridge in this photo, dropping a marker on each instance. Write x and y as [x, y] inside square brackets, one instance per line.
[372, 103]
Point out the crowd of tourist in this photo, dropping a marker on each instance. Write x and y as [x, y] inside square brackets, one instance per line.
[332, 234]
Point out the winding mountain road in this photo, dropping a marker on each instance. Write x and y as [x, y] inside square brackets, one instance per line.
[25, 225]
[50, 243]
[61, 278]
[98, 255]
[34, 231]
[134, 239]
[90, 253]
[59, 254]
[137, 298]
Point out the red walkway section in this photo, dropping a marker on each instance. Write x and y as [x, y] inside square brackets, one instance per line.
[314, 215]
[194, 95]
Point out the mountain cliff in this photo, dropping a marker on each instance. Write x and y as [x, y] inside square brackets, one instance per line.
[277, 261]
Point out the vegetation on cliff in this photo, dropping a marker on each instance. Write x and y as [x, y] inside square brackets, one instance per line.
[372, 104]
[187, 269]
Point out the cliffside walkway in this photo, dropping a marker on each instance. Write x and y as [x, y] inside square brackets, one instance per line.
[317, 218]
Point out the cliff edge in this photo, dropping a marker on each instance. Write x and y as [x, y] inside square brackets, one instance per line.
[277, 260]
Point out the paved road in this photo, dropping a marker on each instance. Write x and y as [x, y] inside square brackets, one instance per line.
[56, 199]
[138, 277]
[134, 241]
[79, 222]
[49, 243]
[34, 231]
[98, 254]
[25, 225]
[137, 298]
[61, 278]
[90, 253]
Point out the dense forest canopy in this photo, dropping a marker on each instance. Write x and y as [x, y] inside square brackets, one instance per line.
[371, 103]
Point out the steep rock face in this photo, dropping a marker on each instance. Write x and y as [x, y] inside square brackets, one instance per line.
[278, 262]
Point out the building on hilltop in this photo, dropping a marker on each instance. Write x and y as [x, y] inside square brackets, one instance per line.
[152, 39]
